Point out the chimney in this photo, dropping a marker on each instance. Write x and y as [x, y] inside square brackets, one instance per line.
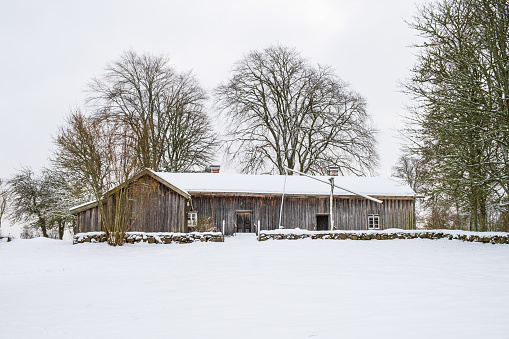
[333, 171]
[214, 168]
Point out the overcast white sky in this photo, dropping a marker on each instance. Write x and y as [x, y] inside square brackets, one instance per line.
[49, 50]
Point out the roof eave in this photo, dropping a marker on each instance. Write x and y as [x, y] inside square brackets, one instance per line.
[308, 194]
[82, 207]
[154, 175]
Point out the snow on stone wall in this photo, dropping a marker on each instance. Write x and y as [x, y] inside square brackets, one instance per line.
[293, 234]
[152, 238]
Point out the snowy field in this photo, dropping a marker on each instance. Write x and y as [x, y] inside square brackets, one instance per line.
[248, 289]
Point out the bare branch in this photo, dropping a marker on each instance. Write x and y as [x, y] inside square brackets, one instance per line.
[284, 112]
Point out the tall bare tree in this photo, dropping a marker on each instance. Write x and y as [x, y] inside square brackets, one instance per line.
[96, 156]
[163, 109]
[283, 111]
[4, 197]
[86, 149]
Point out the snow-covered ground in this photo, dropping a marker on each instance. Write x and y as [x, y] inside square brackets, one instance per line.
[247, 289]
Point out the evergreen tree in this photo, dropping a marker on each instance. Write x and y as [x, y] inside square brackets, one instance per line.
[460, 122]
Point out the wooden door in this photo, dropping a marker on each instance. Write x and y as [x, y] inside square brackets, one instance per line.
[244, 222]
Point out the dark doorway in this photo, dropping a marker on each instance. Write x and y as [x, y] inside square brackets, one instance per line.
[244, 222]
[322, 222]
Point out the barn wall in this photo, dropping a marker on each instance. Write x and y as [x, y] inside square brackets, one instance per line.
[88, 221]
[349, 213]
[159, 210]
[163, 211]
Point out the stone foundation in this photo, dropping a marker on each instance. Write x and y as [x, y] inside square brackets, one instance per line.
[152, 238]
[288, 234]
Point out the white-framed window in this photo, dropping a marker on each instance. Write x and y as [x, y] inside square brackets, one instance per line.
[373, 222]
[192, 219]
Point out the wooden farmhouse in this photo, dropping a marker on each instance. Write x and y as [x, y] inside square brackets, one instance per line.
[177, 201]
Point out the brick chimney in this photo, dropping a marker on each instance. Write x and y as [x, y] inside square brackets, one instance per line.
[214, 168]
[333, 171]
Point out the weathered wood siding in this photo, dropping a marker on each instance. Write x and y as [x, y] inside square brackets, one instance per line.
[301, 212]
[88, 221]
[164, 210]
[161, 210]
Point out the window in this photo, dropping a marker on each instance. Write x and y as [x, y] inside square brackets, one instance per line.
[373, 222]
[192, 219]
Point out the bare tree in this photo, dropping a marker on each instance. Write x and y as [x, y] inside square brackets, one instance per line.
[86, 150]
[411, 170]
[4, 197]
[63, 199]
[93, 155]
[163, 110]
[282, 111]
[96, 155]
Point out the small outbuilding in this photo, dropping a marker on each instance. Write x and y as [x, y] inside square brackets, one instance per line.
[238, 201]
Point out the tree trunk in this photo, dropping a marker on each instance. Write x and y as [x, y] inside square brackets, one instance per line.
[473, 215]
[44, 230]
[483, 216]
[61, 226]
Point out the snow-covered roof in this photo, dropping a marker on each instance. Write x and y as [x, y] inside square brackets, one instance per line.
[274, 184]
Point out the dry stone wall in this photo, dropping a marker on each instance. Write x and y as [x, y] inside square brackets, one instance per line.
[152, 238]
[488, 238]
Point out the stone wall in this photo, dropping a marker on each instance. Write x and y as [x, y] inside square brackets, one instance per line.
[152, 238]
[491, 238]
